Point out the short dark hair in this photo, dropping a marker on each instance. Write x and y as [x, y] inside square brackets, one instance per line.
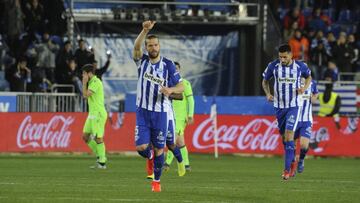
[177, 63]
[88, 68]
[284, 48]
[22, 59]
[151, 37]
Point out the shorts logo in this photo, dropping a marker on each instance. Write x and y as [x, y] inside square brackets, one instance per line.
[169, 134]
[291, 119]
[160, 137]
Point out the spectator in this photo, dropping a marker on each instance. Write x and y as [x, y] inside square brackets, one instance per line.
[18, 76]
[99, 72]
[299, 46]
[319, 59]
[343, 54]
[352, 43]
[294, 15]
[46, 53]
[14, 25]
[288, 33]
[319, 21]
[319, 38]
[62, 59]
[34, 17]
[82, 56]
[331, 40]
[54, 12]
[70, 77]
[331, 72]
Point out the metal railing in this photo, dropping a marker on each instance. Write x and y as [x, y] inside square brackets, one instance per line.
[50, 102]
[348, 76]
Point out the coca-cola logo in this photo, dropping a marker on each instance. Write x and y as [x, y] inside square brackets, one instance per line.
[258, 134]
[52, 134]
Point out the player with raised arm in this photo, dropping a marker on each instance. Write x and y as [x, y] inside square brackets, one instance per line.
[157, 80]
[287, 75]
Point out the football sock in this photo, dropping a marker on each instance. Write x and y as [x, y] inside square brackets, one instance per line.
[101, 152]
[169, 157]
[303, 152]
[158, 164]
[176, 152]
[289, 154]
[185, 155]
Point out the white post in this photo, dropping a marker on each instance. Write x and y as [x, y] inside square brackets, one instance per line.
[213, 116]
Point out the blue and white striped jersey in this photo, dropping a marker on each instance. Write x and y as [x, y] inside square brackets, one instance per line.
[150, 79]
[287, 81]
[306, 109]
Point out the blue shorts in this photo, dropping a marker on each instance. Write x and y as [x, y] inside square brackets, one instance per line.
[287, 118]
[150, 127]
[304, 129]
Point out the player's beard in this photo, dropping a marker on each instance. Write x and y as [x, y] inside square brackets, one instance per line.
[153, 54]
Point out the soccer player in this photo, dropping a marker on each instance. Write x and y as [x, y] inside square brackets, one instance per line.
[95, 123]
[157, 80]
[184, 114]
[287, 75]
[304, 128]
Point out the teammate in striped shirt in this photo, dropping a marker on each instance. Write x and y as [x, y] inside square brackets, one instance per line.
[287, 75]
[304, 128]
[157, 80]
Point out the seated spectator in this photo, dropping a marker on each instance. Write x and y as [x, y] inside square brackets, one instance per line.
[319, 38]
[299, 46]
[319, 21]
[288, 33]
[46, 53]
[18, 76]
[294, 15]
[331, 71]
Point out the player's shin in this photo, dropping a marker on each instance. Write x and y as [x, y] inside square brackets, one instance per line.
[289, 154]
[158, 164]
[146, 153]
[176, 152]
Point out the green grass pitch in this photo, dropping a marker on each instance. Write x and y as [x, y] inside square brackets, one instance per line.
[67, 178]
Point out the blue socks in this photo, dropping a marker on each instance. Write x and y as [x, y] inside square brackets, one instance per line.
[303, 154]
[146, 153]
[177, 154]
[289, 154]
[158, 164]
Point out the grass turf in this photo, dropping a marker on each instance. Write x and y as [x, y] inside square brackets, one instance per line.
[45, 178]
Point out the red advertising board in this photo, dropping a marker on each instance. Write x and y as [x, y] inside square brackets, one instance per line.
[40, 132]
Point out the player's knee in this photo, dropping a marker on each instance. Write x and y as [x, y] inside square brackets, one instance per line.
[99, 140]
[171, 147]
[158, 152]
[86, 138]
[141, 147]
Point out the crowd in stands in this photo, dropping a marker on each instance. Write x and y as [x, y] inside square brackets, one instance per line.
[323, 33]
[33, 54]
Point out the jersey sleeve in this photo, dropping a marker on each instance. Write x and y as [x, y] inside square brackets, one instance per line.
[174, 76]
[138, 61]
[305, 71]
[314, 89]
[94, 86]
[268, 72]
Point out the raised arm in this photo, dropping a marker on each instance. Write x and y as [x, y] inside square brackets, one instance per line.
[147, 26]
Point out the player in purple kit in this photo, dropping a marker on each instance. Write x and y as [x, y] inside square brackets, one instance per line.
[287, 75]
[157, 80]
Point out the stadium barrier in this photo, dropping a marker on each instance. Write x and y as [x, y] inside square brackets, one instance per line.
[61, 132]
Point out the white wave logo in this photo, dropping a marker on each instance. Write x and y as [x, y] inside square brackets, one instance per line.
[54, 134]
[246, 137]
